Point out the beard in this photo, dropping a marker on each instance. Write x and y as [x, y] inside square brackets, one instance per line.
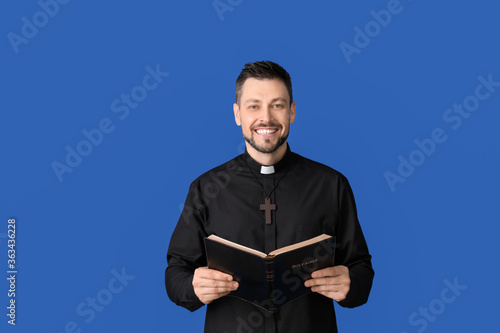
[269, 147]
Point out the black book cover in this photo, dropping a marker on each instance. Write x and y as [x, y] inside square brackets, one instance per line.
[269, 281]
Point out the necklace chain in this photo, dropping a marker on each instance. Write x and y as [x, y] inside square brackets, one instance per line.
[261, 186]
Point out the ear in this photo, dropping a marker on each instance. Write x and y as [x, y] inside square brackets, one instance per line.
[236, 110]
[292, 113]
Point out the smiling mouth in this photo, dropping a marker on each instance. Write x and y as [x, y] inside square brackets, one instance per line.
[266, 131]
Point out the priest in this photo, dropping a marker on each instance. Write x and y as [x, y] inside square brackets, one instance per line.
[268, 197]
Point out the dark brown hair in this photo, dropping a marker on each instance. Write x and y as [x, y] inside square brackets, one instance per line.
[263, 70]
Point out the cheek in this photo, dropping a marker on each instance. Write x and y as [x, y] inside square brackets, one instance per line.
[285, 121]
[245, 127]
[246, 123]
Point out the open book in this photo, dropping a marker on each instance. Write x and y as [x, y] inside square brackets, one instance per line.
[270, 280]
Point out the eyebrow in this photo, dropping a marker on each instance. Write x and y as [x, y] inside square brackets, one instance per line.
[252, 100]
[274, 100]
[278, 99]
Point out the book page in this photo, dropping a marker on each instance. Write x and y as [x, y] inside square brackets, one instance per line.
[237, 246]
[299, 245]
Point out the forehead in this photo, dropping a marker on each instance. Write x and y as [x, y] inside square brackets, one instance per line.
[264, 89]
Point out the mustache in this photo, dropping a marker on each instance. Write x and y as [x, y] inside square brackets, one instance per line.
[271, 124]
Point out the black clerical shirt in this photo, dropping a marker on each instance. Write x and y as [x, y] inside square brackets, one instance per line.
[311, 199]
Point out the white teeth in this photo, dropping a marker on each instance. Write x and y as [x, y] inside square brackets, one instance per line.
[265, 131]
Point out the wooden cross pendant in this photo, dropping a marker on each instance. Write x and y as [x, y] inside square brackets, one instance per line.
[268, 207]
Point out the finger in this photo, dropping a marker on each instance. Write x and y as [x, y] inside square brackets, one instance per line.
[325, 281]
[330, 271]
[213, 274]
[208, 298]
[218, 286]
[329, 288]
[337, 292]
[200, 282]
[207, 294]
[215, 291]
[215, 295]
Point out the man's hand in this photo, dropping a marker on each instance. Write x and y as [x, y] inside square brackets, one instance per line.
[210, 284]
[332, 282]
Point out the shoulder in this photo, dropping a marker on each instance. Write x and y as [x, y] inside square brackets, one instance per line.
[308, 166]
[219, 174]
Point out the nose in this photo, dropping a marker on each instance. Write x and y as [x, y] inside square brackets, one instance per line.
[266, 115]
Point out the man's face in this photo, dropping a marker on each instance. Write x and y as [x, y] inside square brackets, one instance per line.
[264, 114]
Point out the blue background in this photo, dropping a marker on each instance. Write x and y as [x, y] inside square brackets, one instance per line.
[357, 113]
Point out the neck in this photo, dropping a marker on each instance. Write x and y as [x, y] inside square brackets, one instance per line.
[267, 159]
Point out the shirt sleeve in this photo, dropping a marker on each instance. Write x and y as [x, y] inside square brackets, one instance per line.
[186, 252]
[352, 250]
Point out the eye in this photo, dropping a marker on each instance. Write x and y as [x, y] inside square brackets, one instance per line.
[278, 106]
[252, 107]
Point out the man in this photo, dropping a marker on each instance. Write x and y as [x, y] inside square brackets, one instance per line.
[305, 199]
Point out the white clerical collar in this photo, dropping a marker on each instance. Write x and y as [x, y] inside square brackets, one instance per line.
[267, 170]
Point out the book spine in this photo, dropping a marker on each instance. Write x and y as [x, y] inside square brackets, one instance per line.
[270, 281]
